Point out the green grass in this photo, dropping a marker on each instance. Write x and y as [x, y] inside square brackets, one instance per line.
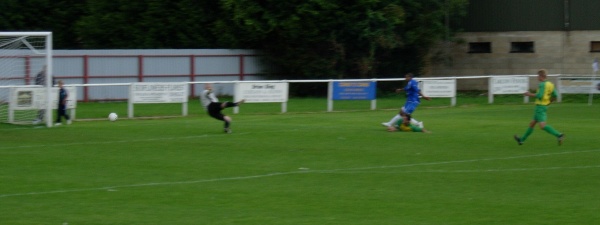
[306, 167]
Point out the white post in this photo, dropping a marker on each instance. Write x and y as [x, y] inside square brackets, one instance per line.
[526, 98]
[595, 69]
[184, 105]
[130, 102]
[284, 104]
[49, 78]
[11, 102]
[236, 87]
[490, 94]
[453, 99]
[72, 114]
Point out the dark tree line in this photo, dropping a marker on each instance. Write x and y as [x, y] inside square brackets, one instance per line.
[300, 39]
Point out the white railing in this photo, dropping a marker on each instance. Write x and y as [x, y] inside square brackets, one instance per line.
[448, 91]
[435, 87]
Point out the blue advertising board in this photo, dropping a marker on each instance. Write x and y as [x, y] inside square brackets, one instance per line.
[354, 90]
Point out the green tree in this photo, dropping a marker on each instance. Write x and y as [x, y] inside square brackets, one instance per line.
[58, 16]
[149, 24]
[298, 38]
[343, 39]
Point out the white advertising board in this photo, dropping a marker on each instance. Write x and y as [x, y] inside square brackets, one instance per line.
[28, 98]
[509, 85]
[579, 85]
[159, 92]
[439, 88]
[262, 92]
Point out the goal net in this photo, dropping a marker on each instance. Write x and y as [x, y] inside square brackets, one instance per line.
[25, 77]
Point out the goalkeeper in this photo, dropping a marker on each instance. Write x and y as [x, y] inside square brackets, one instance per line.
[214, 107]
[40, 79]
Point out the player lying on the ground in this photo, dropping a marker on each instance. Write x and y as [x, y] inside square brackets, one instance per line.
[398, 116]
[404, 124]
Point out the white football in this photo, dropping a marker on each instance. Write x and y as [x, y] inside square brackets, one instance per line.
[112, 116]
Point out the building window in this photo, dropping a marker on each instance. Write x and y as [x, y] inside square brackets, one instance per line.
[521, 47]
[480, 47]
[595, 46]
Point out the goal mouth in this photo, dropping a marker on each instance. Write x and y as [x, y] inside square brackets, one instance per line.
[25, 77]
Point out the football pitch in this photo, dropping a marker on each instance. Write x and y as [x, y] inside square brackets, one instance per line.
[307, 168]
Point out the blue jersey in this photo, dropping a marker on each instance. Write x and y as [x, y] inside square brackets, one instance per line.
[412, 91]
[62, 95]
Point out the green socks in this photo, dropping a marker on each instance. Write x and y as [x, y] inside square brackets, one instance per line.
[551, 130]
[547, 128]
[527, 133]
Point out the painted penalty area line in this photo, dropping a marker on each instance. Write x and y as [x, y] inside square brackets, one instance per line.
[112, 188]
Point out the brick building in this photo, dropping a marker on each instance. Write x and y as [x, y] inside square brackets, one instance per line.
[502, 37]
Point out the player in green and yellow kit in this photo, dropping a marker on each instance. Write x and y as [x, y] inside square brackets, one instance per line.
[403, 124]
[543, 97]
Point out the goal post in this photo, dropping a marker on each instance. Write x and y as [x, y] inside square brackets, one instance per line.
[24, 55]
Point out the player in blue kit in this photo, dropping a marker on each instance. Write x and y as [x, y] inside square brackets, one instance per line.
[412, 101]
[63, 95]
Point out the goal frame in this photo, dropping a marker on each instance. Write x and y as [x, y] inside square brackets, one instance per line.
[48, 63]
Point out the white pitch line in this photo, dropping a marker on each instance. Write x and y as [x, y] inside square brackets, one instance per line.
[113, 188]
[468, 171]
[467, 161]
[304, 171]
